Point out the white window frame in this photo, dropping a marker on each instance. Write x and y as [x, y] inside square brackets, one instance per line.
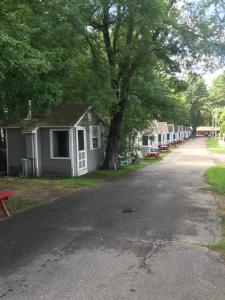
[51, 144]
[98, 136]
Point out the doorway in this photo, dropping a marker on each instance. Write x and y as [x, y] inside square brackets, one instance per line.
[81, 151]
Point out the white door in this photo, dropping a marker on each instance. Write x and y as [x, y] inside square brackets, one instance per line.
[81, 151]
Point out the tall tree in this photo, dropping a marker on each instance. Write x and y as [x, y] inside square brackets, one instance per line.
[217, 91]
[197, 96]
[137, 35]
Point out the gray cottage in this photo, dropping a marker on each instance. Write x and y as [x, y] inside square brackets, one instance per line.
[67, 142]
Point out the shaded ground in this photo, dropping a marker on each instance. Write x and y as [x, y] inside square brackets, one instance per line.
[30, 192]
[83, 247]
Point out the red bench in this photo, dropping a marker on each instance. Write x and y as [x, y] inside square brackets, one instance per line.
[3, 197]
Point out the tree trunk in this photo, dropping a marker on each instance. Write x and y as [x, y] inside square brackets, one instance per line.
[113, 143]
[194, 131]
[112, 150]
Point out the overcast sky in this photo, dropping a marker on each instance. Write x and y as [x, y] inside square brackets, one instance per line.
[209, 77]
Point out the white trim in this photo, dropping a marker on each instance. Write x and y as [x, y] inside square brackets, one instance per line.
[76, 124]
[51, 144]
[72, 151]
[36, 152]
[9, 127]
[7, 154]
[52, 126]
[83, 170]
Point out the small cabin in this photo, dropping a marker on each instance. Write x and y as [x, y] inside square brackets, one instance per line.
[66, 142]
[170, 135]
[163, 134]
[149, 138]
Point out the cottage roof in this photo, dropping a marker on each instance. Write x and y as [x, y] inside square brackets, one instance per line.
[162, 127]
[64, 114]
[207, 128]
[171, 127]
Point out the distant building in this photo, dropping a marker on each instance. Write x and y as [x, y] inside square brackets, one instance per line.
[207, 131]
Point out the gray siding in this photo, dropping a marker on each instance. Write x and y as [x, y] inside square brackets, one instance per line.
[16, 145]
[94, 157]
[29, 146]
[39, 151]
[58, 167]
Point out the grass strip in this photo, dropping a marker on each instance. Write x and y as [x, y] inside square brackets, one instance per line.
[214, 146]
[215, 177]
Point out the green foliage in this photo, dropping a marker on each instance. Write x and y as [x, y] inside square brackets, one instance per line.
[217, 91]
[197, 97]
[108, 53]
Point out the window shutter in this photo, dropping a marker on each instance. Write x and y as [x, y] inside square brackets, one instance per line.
[91, 137]
[99, 137]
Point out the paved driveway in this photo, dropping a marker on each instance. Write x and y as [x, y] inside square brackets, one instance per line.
[84, 247]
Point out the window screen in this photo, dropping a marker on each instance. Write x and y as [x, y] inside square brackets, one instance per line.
[94, 137]
[168, 136]
[60, 143]
[160, 138]
[145, 140]
[80, 140]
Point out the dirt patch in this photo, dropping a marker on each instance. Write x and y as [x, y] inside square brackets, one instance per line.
[220, 201]
[31, 192]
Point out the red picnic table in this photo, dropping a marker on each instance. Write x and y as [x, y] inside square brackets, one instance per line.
[163, 148]
[173, 144]
[154, 154]
[3, 197]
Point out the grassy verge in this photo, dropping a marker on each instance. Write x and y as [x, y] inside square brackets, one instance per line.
[213, 146]
[215, 177]
[34, 191]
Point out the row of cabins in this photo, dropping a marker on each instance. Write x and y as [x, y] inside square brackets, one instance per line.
[162, 134]
[69, 141]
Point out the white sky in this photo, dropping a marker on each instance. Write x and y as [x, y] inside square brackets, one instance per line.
[210, 76]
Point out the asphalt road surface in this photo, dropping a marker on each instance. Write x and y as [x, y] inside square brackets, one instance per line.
[139, 236]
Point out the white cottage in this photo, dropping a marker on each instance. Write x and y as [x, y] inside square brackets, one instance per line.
[170, 135]
[148, 139]
[162, 134]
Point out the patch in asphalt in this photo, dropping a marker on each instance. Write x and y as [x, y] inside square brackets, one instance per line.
[82, 229]
[128, 210]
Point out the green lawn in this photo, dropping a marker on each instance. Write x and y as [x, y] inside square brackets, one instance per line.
[213, 145]
[102, 175]
[215, 177]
